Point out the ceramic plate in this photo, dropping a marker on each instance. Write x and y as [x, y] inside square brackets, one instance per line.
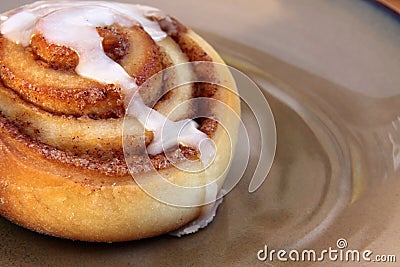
[330, 72]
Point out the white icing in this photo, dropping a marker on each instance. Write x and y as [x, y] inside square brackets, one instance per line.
[19, 27]
[68, 26]
[168, 134]
[206, 217]
[73, 24]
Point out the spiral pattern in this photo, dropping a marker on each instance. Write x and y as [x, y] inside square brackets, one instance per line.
[63, 126]
[341, 243]
[56, 109]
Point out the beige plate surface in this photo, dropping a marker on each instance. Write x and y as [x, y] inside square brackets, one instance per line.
[330, 71]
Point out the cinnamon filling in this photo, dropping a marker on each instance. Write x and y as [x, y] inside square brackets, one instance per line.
[115, 166]
[115, 45]
[64, 92]
[43, 76]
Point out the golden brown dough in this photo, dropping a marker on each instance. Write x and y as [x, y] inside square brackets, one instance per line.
[75, 183]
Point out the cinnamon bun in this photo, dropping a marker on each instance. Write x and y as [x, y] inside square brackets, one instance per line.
[94, 95]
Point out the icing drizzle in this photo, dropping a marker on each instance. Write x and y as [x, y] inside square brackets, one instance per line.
[73, 24]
